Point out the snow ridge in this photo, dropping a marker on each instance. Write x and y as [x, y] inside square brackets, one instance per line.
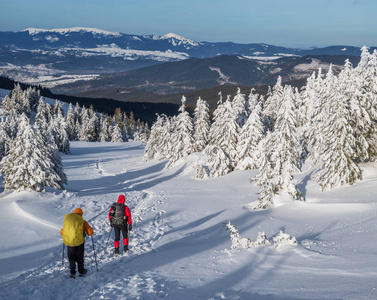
[35, 31]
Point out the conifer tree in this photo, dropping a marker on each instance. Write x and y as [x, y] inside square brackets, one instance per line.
[240, 108]
[265, 173]
[116, 135]
[182, 141]
[250, 136]
[272, 104]
[219, 163]
[285, 143]
[152, 149]
[202, 125]
[225, 130]
[104, 135]
[71, 122]
[27, 166]
[337, 153]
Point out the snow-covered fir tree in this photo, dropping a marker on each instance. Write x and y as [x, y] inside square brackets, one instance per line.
[28, 166]
[116, 134]
[17, 100]
[240, 107]
[33, 95]
[202, 125]
[250, 136]
[337, 152]
[219, 163]
[265, 173]
[225, 130]
[284, 142]
[181, 139]
[71, 122]
[272, 104]
[361, 90]
[43, 117]
[105, 134]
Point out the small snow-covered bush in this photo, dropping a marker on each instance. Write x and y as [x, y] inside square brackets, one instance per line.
[280, 240]
[283, 239]
[237, 240]
[262, 239]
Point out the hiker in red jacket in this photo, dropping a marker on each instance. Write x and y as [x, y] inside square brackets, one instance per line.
[120, 216]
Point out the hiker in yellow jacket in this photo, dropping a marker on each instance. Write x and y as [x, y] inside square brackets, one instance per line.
[74, 230]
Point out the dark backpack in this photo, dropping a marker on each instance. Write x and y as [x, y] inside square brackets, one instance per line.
[117, 214]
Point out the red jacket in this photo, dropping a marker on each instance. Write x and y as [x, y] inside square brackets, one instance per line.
[127, 212]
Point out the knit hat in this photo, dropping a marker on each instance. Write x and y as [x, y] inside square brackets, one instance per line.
[78, 211]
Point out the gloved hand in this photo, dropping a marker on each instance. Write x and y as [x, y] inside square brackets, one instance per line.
[129, 227]
[111, 225]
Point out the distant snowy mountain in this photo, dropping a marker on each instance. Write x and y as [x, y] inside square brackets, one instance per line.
[90, 51]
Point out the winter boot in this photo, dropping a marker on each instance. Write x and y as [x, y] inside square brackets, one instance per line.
[125, 249]
[116, 250]
[73, 276]
[83, 273]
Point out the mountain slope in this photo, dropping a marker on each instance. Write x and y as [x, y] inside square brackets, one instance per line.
[93, 51]
[196, 74]
[179, 247]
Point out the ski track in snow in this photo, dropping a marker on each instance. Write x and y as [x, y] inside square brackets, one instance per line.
[51, 281]
[46, 282]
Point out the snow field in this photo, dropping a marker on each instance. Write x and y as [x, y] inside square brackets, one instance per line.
[179, 248]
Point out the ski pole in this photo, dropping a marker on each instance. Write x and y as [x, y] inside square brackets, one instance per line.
[111, 229]
[63, 256]
[95, 256]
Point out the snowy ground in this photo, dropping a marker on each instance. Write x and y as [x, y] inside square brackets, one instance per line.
[179, 246]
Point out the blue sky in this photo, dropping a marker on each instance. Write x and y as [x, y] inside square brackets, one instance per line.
[294, 23]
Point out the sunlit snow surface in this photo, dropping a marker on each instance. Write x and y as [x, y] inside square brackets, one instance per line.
[179, 246]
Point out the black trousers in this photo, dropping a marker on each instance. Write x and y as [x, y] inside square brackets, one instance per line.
[118, 229]
[76, 255]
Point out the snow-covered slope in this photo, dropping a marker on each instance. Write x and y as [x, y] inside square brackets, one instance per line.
[178, 245]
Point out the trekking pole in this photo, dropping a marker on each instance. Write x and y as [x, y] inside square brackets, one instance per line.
[95, 256]
[111, 229]
[63, 256]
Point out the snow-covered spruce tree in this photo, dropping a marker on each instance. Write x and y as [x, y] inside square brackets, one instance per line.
[181, 140]
[272, 104]
[158, 142]
[33, 95]
[94, 124]
[324, 90]
[28, 166]
[306, 101]
[43, 117]
[265, 173]
[225, 130]
[202, 124]
[253, 100]
[360, 86]
[337, 152]
[56, 161]
[219, 163]
[71, 122]
[104, 135]
[61, 137]
[58, 107]
[11, 124]
[16, 100]
[285, 144]
[85, 130]
[240, 107]
[116, 134]
[250, 136]
[4, 139]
